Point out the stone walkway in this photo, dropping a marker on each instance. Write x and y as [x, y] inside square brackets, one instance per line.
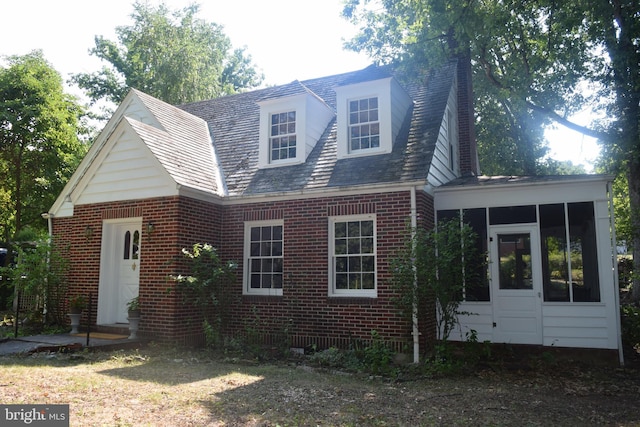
[60, 342]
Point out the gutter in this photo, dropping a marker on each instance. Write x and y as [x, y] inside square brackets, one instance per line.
[324, 191]
[525, 183]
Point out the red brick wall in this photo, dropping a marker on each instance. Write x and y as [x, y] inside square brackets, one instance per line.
[426, 312]
[178, 223]
[304, 315]
[466, 127]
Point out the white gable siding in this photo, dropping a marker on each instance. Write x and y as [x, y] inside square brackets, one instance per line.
[66, 209]
[440, 171]
[129, 171]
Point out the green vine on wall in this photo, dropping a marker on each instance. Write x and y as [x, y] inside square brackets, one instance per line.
[205, 286]
[434, 265]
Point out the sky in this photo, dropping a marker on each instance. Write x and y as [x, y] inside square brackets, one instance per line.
[287, 39]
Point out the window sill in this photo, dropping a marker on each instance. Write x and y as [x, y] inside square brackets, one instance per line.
[261, 297]
[367, 152]
[281, 163]
[351, 300]
[573, 303]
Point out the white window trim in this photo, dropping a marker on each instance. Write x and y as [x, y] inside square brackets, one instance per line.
[246, 277]
[370, 150]
[297, 134]
[371, 89]
[358, 293]
[275, 106]
[393, 105]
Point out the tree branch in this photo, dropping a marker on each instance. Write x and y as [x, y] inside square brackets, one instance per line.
[488, 71]
[604, 136]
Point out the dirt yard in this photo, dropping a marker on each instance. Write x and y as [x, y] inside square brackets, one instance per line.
[162, 386]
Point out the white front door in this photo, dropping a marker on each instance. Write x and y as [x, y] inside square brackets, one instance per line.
[128, 268]
[516, 284]
[120, 269]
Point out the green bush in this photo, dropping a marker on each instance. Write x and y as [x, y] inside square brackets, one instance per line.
[630, 318]
[337, 359]
[625, 272]
[378, 356]
[374, 357]
[39, 274]
[438, 264]
[205, 288]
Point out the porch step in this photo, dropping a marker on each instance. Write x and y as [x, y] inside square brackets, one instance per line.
[117, 328]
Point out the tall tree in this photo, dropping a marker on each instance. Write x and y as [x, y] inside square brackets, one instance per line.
[530, 59]
[39, 143]
[171, 55]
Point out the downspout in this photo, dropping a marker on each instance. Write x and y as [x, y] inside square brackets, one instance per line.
[616, 284]
[49, 217]
[415, 332]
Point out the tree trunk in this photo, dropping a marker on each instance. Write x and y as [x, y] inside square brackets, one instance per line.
[625, 63]
[634, 202]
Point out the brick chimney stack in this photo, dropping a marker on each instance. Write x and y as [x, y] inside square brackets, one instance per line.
[469, 164]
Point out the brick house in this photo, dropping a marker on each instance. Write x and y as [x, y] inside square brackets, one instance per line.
[310, 186]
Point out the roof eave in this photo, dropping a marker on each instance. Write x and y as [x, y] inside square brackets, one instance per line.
[387, 187]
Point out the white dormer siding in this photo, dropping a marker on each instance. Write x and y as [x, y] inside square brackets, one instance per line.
[290, 127]
[370, 115]
[445, 165]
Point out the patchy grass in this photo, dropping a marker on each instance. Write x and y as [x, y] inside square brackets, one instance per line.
[166, 386]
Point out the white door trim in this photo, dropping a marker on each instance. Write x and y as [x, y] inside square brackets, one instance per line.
[111, 308]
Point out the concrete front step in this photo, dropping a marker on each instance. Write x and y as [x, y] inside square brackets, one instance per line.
[118, 328]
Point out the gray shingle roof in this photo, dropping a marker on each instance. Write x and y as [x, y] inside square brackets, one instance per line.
[484, 181]
[234, 126]
[183, 146]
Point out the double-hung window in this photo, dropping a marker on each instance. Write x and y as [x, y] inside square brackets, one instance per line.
[264, 251]
[364, 124]
[353, 256]
[282, 136]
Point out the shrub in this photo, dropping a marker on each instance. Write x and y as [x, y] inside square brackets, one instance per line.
[378, 356]
[334, 358]
[630, 320]
[204, 287]
[436, 264]
[39, 274]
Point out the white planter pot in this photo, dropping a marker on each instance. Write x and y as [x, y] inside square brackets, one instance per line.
[134, 323]
[75, 322]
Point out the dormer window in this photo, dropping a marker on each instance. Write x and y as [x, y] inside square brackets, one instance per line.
[290, 126]
[283, 136]
[370, 116]
[364, 125]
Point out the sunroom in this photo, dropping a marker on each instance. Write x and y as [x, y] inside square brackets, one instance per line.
[550, 267]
